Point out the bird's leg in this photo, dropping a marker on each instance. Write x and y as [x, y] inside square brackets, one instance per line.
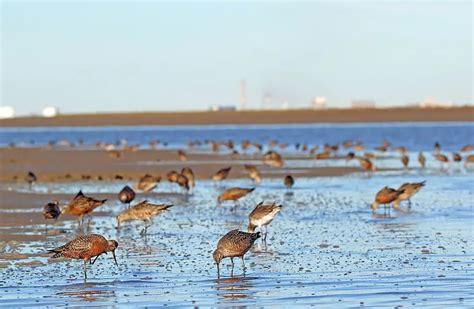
[95, 259]
[85, 270]
[243, 264]
[232, 270]
[218, 271]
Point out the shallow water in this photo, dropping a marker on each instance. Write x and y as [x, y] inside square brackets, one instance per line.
[324, 248]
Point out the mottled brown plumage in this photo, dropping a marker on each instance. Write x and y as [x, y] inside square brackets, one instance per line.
[366, 164]
[148, 183]
[182, 155]
[234, 194]
[172, 176]
[143, 211]
[467, 148]
[183, 182]
[457, 157]
[126, 195]
[385, 196]
[441, 158]
[253, 173]
[261, 216]
[234, 244]
[221, 174]
[82, 205]
[188, 173]
[405, 160]
[408, 190]
[273, 159]
[86, 247]
[51, 210]
[421, 159]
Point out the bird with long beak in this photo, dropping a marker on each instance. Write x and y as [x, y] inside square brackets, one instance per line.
[233, 194]
[409, 190]
[261, 216]
[85, 247]
[143, 211]
[234, 244]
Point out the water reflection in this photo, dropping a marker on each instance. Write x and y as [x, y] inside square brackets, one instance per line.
[234, 288]
[87, 292]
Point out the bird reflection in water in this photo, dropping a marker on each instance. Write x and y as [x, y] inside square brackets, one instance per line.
[87, 292]
[234, 288]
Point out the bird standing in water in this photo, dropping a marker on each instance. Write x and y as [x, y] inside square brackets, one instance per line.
[288, 181]
[385, 196]
[82, 205]
[31, 179]
[86, 247]
[126, 195]
[234, 244]
[261, 216]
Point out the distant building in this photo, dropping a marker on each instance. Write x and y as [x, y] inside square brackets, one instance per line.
[363, 104]
[7, 112]
[50, 111]
[318, 102]
[431, 102]
[223, 108]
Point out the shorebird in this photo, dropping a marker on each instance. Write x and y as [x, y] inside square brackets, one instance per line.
[254, 173]
[31, 179]
[261, 216]
[273, 159]
[148, 183]
[313, 150]
[382, 148]
[457, 157]
[366, 164]
[126, 195]
[408, 190]
[85, 247]
[349, 156]
[188, 173]
[359, 147]
[467, 148]
[421, 159]
[82, 205]
[142, 211]
[172, 176]
[441, 158]
[233, 194]
[183, 182]
[322, 156]
[385, 196]
[437, 147]
[469, 159]
[51, 210]
[234, 244]
[405, 159]
[221, 174]
[288, 181]
[182, 155]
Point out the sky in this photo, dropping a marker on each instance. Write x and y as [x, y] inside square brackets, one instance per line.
[93, 56]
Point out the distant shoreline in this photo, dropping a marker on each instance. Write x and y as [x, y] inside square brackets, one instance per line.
[298, 116]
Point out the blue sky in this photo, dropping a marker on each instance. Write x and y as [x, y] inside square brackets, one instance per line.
[129, 56]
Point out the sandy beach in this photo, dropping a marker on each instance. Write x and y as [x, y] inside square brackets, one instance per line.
[402, 114]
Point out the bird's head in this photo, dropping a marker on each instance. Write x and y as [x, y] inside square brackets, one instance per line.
[112, 246]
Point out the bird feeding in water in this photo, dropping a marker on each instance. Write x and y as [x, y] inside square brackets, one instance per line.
[233, 244]
[82, 205]
[85, 247]
[233, 194]
[261, 216]
[143, 211]
[385, 196]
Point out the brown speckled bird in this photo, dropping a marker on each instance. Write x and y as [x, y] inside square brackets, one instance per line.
[51, 210]
[221, 174]
[183, 182]
[467, 148]
[233, 194]
[469, 159]
[385, 196]
[253, 173]
[172, 176]
[86, 247]
[261, 216]
[405, 160]
[126, 195]
[457, 157]
[234, 244]
[182, 155]
[148, 183]
[422, 159]
[408, 190]
[273, 159]
[442, 159]
[288, 181]
[366, 164]
[188, 173]
[143, 211]
[82, 205]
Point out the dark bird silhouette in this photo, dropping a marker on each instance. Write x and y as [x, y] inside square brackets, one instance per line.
[82, 205]
[51, 210]
[126, 195]
[288, 181]
[31, 179]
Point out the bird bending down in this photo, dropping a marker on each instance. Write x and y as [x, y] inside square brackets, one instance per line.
[82, 205]
[234, 244]
[261, 216]
[85, 247]
[233, 194]
[385, 196]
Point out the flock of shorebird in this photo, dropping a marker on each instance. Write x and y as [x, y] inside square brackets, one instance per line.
[235, 243]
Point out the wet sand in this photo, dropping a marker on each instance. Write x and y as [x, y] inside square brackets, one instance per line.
[402, 114]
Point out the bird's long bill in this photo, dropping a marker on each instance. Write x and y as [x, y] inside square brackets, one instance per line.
[115, 258]
[218, 271]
